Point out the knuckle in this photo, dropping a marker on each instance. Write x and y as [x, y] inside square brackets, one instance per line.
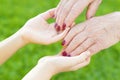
[83, 47]
[92, 40]
[91, 50]
[65, 10]
[100, 43]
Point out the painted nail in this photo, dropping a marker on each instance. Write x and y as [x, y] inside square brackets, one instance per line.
[68, 55]
[64, 53]
[57, 27]
[63, 43]
[64, 26]
[53, 16]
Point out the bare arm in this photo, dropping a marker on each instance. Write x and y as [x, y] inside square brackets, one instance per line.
[36, 30]
[9, 46]
[51, 65]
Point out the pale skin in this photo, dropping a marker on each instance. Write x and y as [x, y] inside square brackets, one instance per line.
[68, 10]
[93, 35]
[51, 65]
[36, 30]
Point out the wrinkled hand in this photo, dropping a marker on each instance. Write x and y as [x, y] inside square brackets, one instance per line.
[94, 35]
[38, 30]
[68, 10]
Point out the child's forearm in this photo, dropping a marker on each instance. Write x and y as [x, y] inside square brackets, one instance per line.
[39, 72]
[9, 46]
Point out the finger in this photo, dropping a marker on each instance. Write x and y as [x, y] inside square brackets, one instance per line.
[72, 61]
[92, 8]
[57, 27]
[73, 32]
[75, 11]
[73, 24]
[77, 40]
[66, 9]
[63, 3]
[58, 7]
[83, 47]
[59, 37]
[94, 49]
[48, 14]
[81, 65]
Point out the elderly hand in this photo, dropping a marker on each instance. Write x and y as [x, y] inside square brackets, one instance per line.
[94, 35]
[68, 10]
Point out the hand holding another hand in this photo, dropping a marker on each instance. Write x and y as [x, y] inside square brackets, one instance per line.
[51, 65]
[68, 10]
[38, 30]
[93, 35]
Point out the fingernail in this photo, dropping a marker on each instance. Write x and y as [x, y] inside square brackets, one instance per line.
[57, 27]
[63, 43]
[69, 55]
[64, 26]
[53, 16]
[64, 53]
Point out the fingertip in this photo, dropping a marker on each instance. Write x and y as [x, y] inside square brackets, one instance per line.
[63, 26]
[88, 16]
[88, 53]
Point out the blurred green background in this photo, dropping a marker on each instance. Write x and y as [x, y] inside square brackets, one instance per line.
[14, 14]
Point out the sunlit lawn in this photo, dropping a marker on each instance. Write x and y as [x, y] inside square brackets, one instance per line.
[13, 15]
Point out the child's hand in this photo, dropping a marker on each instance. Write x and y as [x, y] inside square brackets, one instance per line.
[63, 64]
[49, 66]
[38, 30]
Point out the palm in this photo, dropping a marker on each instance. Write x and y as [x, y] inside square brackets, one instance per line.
[37, 30]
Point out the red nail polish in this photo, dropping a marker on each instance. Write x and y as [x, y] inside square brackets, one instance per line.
[57, 27]
[63, 43]
[69, 55]
[64, 53]
[64, 26]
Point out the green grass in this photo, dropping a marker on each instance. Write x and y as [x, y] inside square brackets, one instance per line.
[13, 15]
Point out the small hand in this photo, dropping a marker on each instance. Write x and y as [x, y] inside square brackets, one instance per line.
[37, 30]
[94, 35]
[63, 64]
[68, 10]
[51, 65]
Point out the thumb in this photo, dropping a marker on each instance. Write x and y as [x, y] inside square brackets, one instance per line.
[92, 8]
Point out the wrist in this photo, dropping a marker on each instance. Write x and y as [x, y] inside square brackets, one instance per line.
[46, 71]
[39, 72]
[20, 37]
[9, 46]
